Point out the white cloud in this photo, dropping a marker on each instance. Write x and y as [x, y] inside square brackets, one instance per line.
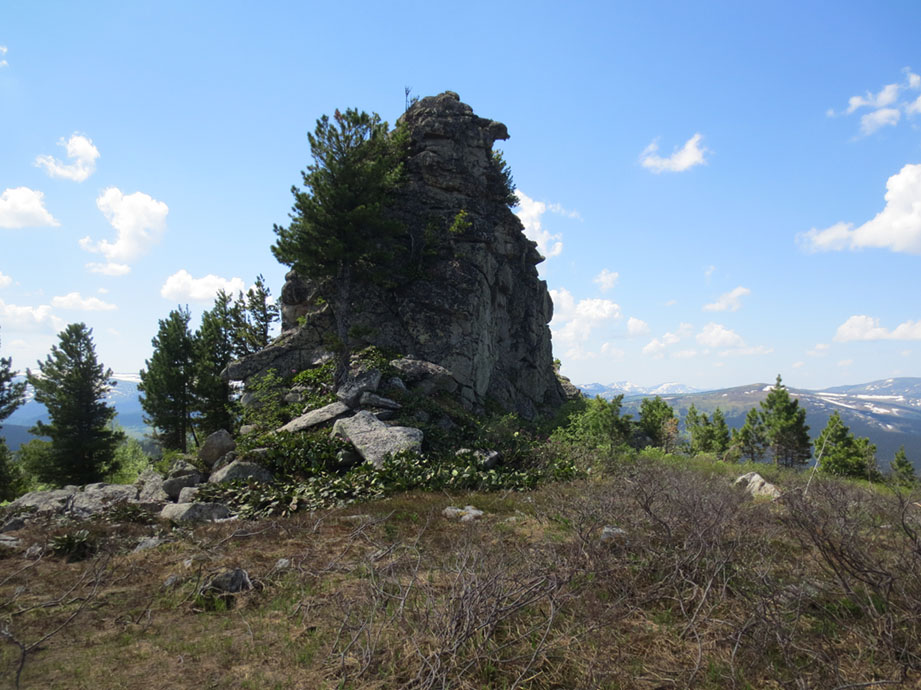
[654, 348]
[798, 365]
[884, 117]
[747, 351]
[709, 272]
[529, 213]
[671, 303]
[657, 346]
[845, 362]
[682, 159]
[182, 286]
[74, 300]
[609, 350]
[684, 354]
[109, 269]
[21, 207]
[886, 96]
[606, 279]
[716, 335]
[862, 327]
[573, 322]
[3, 50]
[897, 227]
[83, 153]
[29, 318]
[5, 280]
[731, 301]
[637, 326]
[138, 219]
[820, 350]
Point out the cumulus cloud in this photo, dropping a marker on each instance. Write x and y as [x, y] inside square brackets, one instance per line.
[139, 221]
[109, 269]
[606, 279]
[182, 286]
[885, 107]
[637, 326]
[654, 348]
[610, 350]
[657, 346]
[80, 150]
[530, 213]
[799, 365]
[3, 62]
[74, 300]
[682, 159]
[820, 350]
[747, 351]
[863, 327]
[897, 227]
[684, 354]
[731, 301]
[573, 322]
[18, 317]
[21, 207]
[5, 280]
[716, 335]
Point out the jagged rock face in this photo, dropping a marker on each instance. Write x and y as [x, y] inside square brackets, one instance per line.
[468, 296]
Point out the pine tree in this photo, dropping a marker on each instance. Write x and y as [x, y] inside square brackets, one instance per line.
[255, 313]
[339, 232]
[839, 453]
[902, 470]
[167, 381]
[213, 350]
[11, 392]
[752, 437]
[720, 436]
[659, 423]
[72, 385]
[785, 427]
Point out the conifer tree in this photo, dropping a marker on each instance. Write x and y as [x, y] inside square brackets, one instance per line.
[339, 232]
[785, 427]
[720, 437]
[902, 470]
[168, 395]
[751, 439]
[659, 423]
[11, 397]
[255, 315]
[213, 349]
[72, 385]
[839, 453]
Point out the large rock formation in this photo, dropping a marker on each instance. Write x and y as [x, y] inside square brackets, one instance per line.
[466, 293]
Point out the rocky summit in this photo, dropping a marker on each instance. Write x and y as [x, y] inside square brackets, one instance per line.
[465, 295]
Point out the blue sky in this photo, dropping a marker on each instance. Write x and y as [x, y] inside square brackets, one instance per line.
[724, 190]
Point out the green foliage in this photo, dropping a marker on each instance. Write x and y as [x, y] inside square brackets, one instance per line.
[167, 381]
[11, 393]
[903, 471]
[74, 546]
[751, 440]
[504, 173]
[213, 349]
[839, 453]
[267, 408]
[12, 482]
[253, 316]
[31, 459]
[659, 423]
[785, 427]
[72, 385]
[128, 463]
[121, 513]
[339, 227]
[461, 223]
[707, 435]
[599, 425]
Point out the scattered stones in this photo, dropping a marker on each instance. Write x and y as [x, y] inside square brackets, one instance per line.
[8, 541]
[224, 460]
[756, 485]
[97, 498]
[465, 514]
[150, 488]
[181, 468]
[241, 469]
[215, 446]
[16, 522]
[374, 440]
[46, 502]
[375, 400]
[148, 543]
[194, 512]
[316, 417]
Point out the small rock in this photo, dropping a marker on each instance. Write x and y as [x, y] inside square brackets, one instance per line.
[16, 522]
[365, 382]
[486, 459]
[375, 400]
[396, 383]
[228, 582]
[148, 543]
[425, 377]
[421, 416]
[181, 468]
[174, 486]
[756, 485]
[241, 469]
[248, 429]
[194, 512]
[465, 514]
[171, 581]
[215, 446]
[33, 552]
[224, 461]
[150, 488]
[373, 439]
[610, 533]
[9, 542]
[322, 415]
[282, 564]
[187, 494]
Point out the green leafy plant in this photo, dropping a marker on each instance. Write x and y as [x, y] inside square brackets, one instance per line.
[461, 223]
[74, 546]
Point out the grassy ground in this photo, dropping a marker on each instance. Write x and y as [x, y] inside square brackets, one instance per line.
[704, 588]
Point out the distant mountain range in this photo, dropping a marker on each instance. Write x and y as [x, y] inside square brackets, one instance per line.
[628, 389]
[888, 411]
[124, 397]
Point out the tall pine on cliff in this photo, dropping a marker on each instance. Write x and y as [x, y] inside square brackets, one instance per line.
[339, 230]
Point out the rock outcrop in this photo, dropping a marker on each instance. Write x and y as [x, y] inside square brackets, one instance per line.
[465, 293]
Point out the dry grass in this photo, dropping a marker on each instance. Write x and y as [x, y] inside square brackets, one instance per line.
[705, 589]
